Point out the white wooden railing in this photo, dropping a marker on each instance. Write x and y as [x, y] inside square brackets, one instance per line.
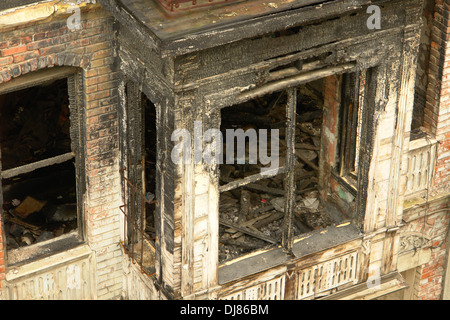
[420, 166]
[65, 276]
[313, 281]
[269, 290]
[327, 275]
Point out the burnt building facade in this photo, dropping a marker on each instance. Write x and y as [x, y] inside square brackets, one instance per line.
[118, 180]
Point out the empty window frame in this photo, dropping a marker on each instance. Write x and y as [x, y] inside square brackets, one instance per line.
[41, 176]
[267, 208]
[294, 180]
[252, 174]
[139, 181]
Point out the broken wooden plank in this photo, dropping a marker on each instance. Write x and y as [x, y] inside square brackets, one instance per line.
[246, 231]
[253, 178]
[244, 245]
[302, 158]
[268, 220]
[29, 206]
[24, 224]
[289, 180]
[245, 205]
[252, 221]
[294, 81]
[306, 161]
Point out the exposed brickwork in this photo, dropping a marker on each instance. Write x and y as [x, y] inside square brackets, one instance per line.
[437, 121]
[51, 44]
[330, 138]
[437, 111]
[434, 226]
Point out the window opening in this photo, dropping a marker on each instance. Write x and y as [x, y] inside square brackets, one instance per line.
[259, 211]
[37, 163]
[139, 181]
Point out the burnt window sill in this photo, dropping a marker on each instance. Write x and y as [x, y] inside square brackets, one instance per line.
[37, 251]
[306, 244]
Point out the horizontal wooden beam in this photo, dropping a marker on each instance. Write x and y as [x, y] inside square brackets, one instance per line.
[37, 165]
[258, 235]
[294, 81]
[250, 179]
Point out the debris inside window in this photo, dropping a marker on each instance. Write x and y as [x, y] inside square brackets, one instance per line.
[38, 172]
[251, 215]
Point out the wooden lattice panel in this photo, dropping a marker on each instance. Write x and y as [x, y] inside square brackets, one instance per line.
[55, 278]
[420, 168]
[269, 290]
[326, 276]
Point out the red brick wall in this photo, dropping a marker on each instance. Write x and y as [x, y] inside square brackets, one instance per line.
[50, 44]
[437, 121]
[434, 226]
[329, 141]
[437, 111]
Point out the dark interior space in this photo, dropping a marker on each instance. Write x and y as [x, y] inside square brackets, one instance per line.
[150, 163]
[258, 207]
[38, 203]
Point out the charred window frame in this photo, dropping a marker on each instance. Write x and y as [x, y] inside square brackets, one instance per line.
[74, 78]
[350, 115]
[288, 174]
[139, 194]
[290, 86]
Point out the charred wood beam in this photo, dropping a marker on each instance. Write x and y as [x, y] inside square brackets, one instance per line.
[245, 205]
[37, 165]
[257, 187]
[303, 159]
[250, 179]
[309, 116]
[269, 219]
[306, 161]
[249, 232]
[289, 185]
[294, 81]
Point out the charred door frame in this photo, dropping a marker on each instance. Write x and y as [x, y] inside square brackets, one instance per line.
[75, 91]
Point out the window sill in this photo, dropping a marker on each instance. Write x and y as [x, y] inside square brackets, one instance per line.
[44, 249]
[305, 244]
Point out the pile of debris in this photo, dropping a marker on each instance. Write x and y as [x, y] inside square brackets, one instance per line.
[251, 216]
[35, 125]
[31, 220]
